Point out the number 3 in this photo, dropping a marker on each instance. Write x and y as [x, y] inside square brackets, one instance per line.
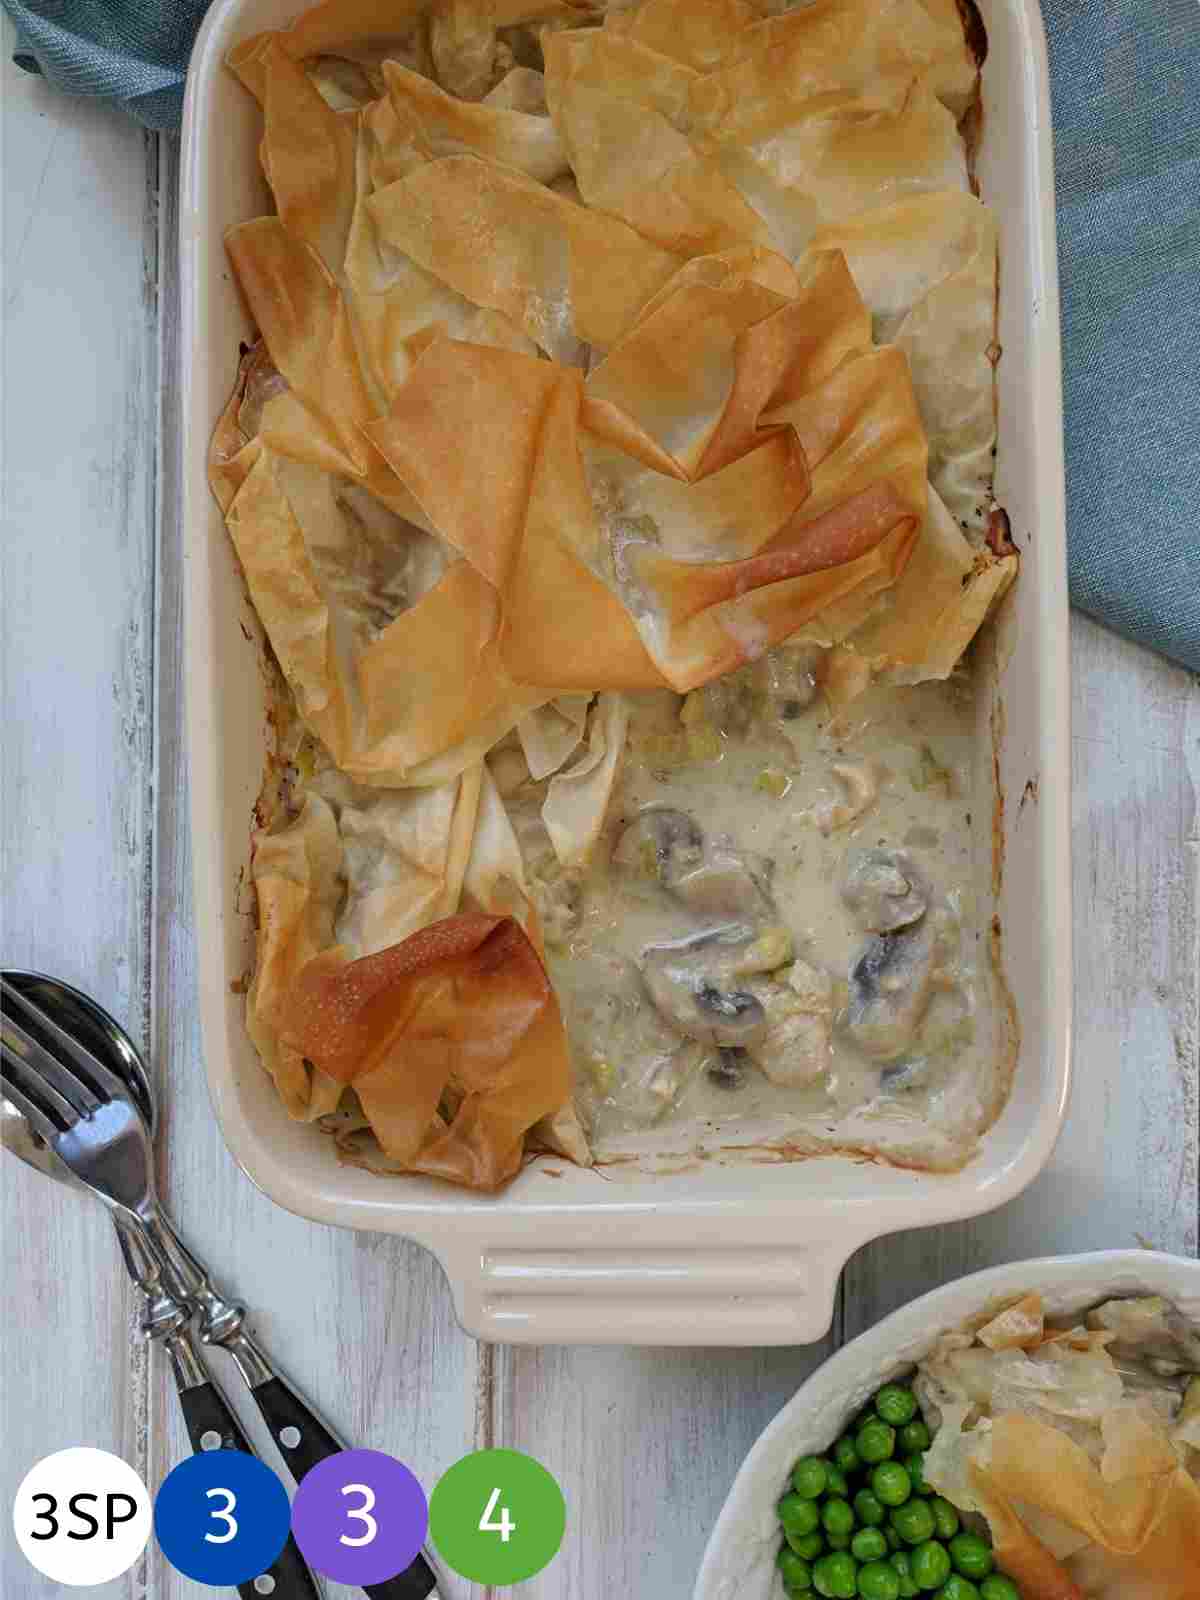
[46, 1516]
[505, 1527]
[223, 1516]
[361, 1514]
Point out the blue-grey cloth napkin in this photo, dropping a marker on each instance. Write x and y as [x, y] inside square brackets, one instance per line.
[1126, 91]
[1125, 82]
[131, 52]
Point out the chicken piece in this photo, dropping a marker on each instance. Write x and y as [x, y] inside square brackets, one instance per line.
[795, 1049]
[860, 785]
[723, 886]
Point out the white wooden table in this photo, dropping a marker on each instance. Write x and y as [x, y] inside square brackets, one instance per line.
[96, 889]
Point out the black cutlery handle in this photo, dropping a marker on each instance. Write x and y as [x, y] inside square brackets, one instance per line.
[417, 1582]
[303, 1441]
[206, 1414]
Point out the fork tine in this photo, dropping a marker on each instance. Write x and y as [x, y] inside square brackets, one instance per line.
[37, 1108]
[72, 1057]
[43, 1064]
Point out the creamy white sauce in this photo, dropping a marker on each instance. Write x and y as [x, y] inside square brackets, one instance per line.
[769, 791]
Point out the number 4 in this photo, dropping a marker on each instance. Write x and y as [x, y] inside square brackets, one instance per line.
[505, 1527]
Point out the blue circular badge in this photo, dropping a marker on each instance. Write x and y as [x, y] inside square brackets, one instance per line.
[222, 1517]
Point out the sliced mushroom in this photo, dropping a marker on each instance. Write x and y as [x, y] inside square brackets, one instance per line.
[904, 1075]
[723, 886]
[728, 1071]
[659, 845]
[884, 890]
[891, 984]
[688, 985]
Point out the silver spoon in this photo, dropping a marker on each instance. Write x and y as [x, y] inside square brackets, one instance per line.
[78, 1077]
[210, 1422]
[164, 1315]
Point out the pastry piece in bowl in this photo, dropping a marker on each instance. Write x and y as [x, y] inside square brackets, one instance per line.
[1029, 1433]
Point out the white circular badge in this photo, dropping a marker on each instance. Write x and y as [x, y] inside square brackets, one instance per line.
[82, 1516]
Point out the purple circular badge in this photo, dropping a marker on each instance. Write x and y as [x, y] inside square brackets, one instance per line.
[360, 1517]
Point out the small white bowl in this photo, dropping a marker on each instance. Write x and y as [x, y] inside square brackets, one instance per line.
[739, 1562]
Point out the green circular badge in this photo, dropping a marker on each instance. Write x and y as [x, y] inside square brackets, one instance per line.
[497, 1517]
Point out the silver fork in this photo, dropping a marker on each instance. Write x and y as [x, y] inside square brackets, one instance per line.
[86, 1114]
[92, 1137]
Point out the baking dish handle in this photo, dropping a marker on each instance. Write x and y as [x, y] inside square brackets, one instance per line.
[670, 1295]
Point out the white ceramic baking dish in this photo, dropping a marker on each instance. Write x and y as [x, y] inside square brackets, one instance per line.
[739, 1563]
[721, 1254]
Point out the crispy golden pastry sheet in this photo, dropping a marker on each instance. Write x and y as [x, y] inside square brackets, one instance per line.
[451, 1039]
[597, 354]
[1084, 1481]
[1138, 1509]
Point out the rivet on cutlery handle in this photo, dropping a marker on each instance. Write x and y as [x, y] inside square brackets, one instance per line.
[302, 1438]
[211, 1425]
[303, 1441]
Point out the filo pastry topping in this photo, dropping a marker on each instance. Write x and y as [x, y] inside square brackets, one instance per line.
[574, 377]
[1085, 1464]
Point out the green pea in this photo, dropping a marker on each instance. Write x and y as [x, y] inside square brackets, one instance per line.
[800, 1594]
[878, 1581]
[835, 1480]
[836, 1576]
[913, 1521]
[809, 1478]
[958, 1588]
[998, 1587]
[868, 1509]
[894, 1541]
[896, 1403]
[915, 1436]
[845, 1456]
[902, 1562]
[838, 1541]
[796, 1572]
[797, 1515]
[868, 1544]
[837, 1517]
[945, 1518]
[807, 1545]
[930, 1565]
[971, 1556]
[914, 1465]
[890, 1483]
[875, 1442]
